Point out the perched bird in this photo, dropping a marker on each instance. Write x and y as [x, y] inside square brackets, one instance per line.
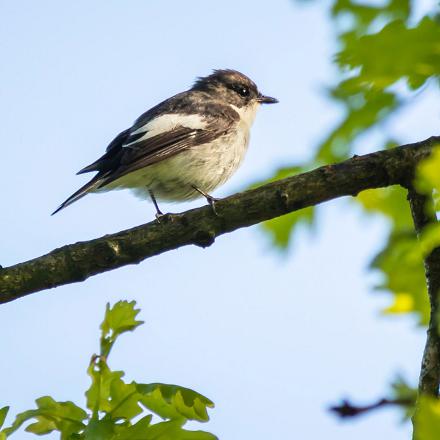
[184, 147]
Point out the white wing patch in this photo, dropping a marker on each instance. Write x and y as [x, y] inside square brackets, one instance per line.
[165, 123]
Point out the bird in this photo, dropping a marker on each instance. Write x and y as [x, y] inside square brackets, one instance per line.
[183, 148]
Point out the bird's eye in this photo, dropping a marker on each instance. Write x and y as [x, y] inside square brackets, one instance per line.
[243, 91]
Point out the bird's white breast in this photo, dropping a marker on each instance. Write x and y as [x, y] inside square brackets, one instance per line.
[205, 166]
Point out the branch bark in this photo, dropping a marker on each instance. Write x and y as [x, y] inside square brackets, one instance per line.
[77, 262]
[423, 214]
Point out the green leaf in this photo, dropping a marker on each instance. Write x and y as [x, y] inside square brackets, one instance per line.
[391, 202]
[3, 414]
[427, 179]
[19, 420]
[281, 229]
[98, 394]
[65, 417]
[137, 431]
[427, 419]
[118, 319]
[372, 63]
[110, 394]
[401, 266]
[174, 402]
[364, 108]
[173, 430]
[402, 391]
[382, 62]
[115, 404]
[123, 400]
[364, 15]
[103, 429]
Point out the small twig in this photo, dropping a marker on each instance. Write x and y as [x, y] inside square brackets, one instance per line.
[347, 409]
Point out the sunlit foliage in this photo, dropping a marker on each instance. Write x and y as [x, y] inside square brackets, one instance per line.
[384, 57]
[115, 409]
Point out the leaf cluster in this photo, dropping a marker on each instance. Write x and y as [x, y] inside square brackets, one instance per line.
[384, 59]
[115, 409]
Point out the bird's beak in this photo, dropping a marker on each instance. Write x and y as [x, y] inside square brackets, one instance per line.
[266, 99]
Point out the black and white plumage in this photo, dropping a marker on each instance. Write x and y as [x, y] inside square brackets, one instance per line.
[184, 147]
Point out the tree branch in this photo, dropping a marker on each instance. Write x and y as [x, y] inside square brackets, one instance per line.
[347, 409]
[423, 214]
[76, 262]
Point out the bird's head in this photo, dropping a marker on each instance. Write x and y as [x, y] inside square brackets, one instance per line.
[234, 88]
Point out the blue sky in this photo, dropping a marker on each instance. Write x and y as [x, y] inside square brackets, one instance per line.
[272, 340]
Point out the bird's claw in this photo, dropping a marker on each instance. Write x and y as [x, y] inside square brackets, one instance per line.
[163, 218]
[159, 216]
[211, 201]
[166, 218]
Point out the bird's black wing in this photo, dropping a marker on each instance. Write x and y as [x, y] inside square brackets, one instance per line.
[162, 146]
[128, 152]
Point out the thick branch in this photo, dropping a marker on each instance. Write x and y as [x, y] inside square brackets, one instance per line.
[423, 214]
[78, 261]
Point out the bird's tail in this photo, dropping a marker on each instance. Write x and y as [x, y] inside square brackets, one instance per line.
[88, 187]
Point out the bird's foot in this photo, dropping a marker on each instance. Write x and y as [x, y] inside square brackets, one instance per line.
[165, 218]
[210, 199]
[160, 216]
[171, 217]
